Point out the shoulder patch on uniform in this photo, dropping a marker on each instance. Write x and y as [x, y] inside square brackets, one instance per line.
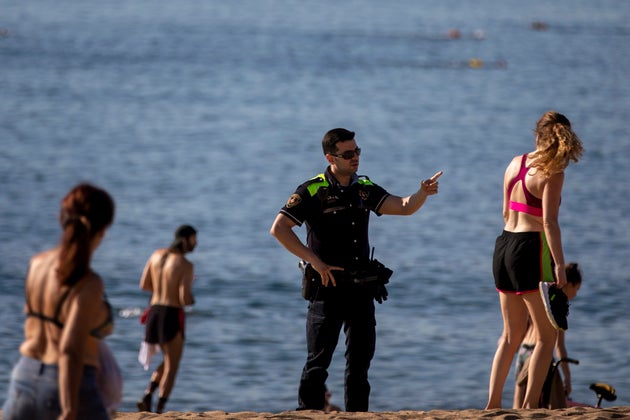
[316, 183]
[294, 200]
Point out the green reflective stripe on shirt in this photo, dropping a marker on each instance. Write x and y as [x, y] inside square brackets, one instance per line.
[312, 188]
[365, 181]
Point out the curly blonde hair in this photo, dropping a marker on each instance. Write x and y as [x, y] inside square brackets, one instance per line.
[556, 144]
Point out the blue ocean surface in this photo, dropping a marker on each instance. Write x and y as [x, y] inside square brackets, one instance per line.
[212, 113]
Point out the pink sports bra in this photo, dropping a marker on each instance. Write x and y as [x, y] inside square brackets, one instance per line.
[532, 205]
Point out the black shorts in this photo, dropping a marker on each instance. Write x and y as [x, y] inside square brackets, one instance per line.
[163, 324]
[521, 260]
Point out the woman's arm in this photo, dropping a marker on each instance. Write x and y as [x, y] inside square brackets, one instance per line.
[551, 208]
[506, 200]
[84, 305]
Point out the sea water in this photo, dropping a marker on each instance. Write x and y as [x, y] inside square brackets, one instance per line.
[211, 113]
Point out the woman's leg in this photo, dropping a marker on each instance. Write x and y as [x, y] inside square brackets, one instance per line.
[543, 351]
[519, 395]
[514, 314]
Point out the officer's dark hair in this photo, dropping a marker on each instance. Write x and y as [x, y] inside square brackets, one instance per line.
[334, 136]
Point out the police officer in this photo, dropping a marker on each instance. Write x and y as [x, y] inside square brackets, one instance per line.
[336, 207]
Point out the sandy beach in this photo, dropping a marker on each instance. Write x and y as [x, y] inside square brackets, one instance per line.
[574, 413]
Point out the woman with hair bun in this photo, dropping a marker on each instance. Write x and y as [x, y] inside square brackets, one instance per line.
[66, 316]
[528, 254]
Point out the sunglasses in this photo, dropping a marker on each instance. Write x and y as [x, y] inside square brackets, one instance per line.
[349, 154]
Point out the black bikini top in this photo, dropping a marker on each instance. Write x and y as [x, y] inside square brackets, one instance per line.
[101, 331]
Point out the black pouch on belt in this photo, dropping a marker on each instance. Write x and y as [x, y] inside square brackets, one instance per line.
[374, 273]
[310, 280]
[382, 273]
[375, 278]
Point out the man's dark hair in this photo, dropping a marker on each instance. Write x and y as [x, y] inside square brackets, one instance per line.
[184, 231]
[334, 136]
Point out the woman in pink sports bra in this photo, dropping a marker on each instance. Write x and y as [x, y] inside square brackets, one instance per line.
[529, 251]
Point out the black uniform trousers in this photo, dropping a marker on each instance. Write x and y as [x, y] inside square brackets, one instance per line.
[353, 309]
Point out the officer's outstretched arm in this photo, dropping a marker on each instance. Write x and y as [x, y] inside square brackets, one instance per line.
[405, 206]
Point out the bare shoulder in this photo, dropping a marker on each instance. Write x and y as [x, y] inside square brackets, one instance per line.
[41, 268]
[516, 161]
[43, 259]
[157, 255]
[180, 261]
[513, 167]
[555, 181]
[93, 284]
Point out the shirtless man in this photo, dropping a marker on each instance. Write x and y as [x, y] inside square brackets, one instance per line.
[168, 275]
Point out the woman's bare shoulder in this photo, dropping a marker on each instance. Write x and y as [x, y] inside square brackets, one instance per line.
[41, 268]
[90, 288]
[44, 258]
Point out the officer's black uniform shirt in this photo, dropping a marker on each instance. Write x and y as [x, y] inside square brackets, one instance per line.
[336, 217]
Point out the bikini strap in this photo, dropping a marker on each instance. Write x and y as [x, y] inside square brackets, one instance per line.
[531, 201]
[519, 177]
[55, 318]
